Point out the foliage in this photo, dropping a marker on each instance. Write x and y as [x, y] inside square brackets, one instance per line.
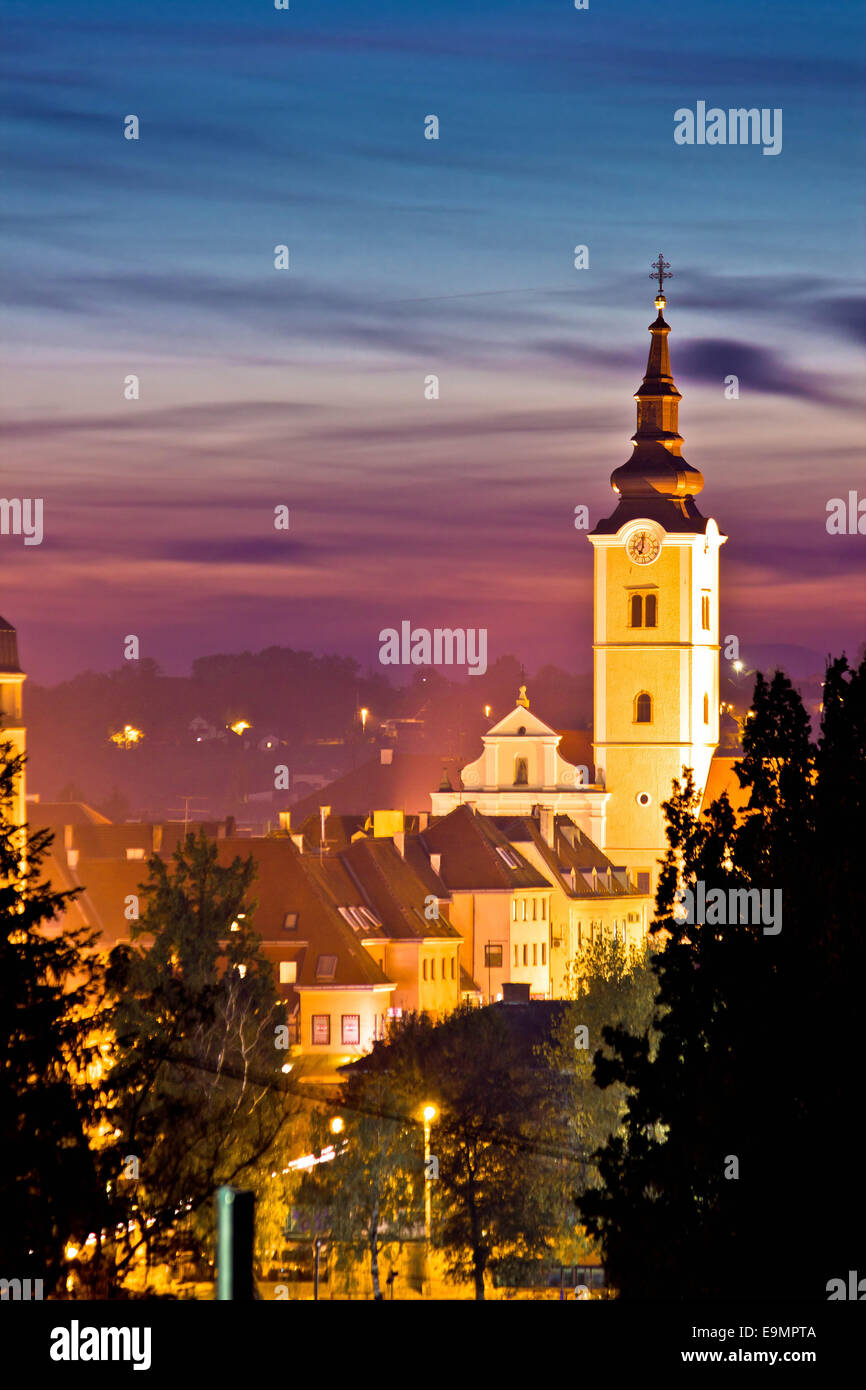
[196, 1072]
[51, 1189]
[759, 1030]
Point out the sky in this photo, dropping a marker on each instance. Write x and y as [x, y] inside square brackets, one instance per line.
[410, 257]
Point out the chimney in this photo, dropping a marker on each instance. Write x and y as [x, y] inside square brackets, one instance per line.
[547, 824]
[436, 864]
[400, 842]
[386, 756]
[423, 819]
[387, 824]
[298, 842]
[157, 839]
[285, 821]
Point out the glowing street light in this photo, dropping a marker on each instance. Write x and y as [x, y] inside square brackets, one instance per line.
[428, 1114]
[127, 736]
[738, 666]
[337, 1125]
[488, 709]
[365, 714]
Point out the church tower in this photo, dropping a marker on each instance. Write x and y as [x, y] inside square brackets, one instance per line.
[11, 718]
[656, 628]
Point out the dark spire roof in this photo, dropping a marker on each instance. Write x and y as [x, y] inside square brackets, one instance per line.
[657, 482]
[8, 649]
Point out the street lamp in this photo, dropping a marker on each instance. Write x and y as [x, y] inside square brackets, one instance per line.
[364, 716]
[487, 711]
[337, 1125]
[429, 1114]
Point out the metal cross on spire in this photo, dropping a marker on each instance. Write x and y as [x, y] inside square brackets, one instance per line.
[661, 270]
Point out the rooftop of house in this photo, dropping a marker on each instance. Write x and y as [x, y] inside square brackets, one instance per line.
[404, 782]
[474, 854]
[572, 857]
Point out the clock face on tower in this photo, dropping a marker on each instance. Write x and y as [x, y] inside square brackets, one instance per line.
[643, 547]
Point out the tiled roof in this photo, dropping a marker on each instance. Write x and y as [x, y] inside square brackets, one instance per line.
[55, 813]
[288, 883]
[722, 777]
[581, 855]
[470, 847]
[404, 784]
[394, 890]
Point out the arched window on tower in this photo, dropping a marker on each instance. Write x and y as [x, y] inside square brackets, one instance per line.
[706, 709]
[643, 708]
[521, 772]
[636, 611]
[650, 610]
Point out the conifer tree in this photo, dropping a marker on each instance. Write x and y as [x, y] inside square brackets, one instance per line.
[51, 1188]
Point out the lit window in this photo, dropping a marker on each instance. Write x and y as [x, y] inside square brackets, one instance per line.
[288, 972]
[643, 709]
[650, 611]
[523, 906]
[514, 909]
[321, 1030]
[132, 853]
[326, 967]
[350, 1029]
[290, 921]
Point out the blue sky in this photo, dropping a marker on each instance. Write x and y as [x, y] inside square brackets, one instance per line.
[409, 257]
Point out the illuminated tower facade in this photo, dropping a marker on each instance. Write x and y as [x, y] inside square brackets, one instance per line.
[11, 718]
[656, 626]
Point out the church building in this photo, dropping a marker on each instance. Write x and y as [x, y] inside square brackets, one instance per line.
[656, 655]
